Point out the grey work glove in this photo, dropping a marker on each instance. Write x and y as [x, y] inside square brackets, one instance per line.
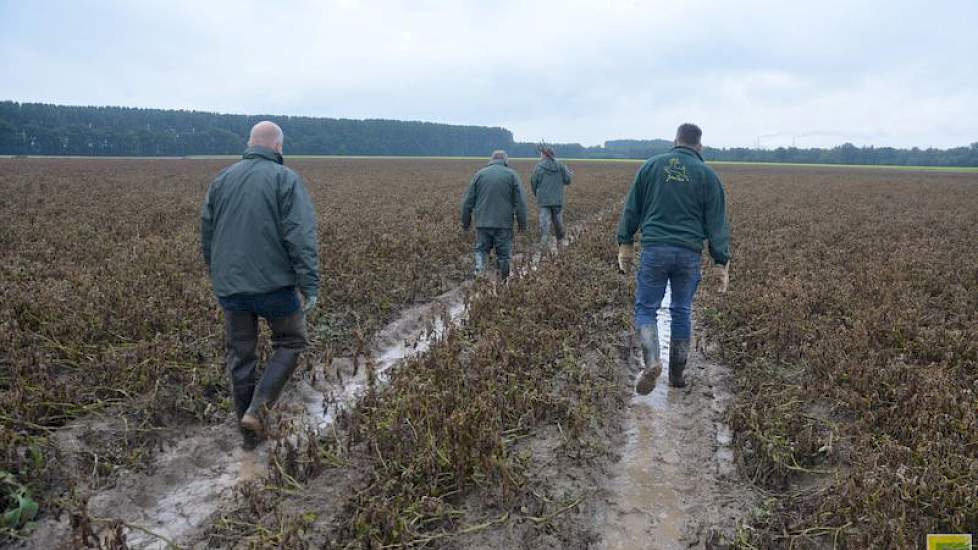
[625, 254]
[309, 304]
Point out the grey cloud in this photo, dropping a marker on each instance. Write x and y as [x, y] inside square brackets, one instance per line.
[889, 73]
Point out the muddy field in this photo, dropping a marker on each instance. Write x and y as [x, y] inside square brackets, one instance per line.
[833, 397]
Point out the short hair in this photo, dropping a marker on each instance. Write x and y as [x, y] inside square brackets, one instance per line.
[689, 134]
[499, 154]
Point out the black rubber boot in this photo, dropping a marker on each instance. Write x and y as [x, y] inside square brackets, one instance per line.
[678, 354]
[241, 342]
[648, 337]
[288, 342]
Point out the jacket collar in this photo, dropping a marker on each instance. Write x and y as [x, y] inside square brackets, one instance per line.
[497, 161]
[262, 153]
[687, 150]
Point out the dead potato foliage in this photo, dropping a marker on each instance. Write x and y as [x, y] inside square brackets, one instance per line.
[853, 324]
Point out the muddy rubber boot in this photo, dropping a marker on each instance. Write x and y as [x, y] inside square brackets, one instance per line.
[249, 440]
[288, 342]
[648, 337]
[480, 264]
[678, 353]
[242, 400]
[241, 334]
[241, 395]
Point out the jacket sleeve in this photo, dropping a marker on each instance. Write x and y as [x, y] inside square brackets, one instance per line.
[468, 203]
[535, 180]
[715, 220]
[299, 233]
[631, 216]
[207, 227]
[520, 201]
[567, 173]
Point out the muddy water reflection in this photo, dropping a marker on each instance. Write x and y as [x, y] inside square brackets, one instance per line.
[647, 510]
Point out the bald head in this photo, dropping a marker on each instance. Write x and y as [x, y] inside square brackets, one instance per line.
[499, 154]
[267, 134]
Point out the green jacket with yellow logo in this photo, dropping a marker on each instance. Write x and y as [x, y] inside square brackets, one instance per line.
[677, 199]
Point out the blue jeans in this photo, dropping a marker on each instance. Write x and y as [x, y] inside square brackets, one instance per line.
[678, 266]
[270, 305]
[551, 216]
[488, 238]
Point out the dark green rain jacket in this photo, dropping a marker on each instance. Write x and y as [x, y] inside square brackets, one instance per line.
[677, 199]
[548, 181]
[258, 228]
[495, 195]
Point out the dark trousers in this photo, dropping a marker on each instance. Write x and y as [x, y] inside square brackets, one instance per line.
[285, 319]
[489, 238]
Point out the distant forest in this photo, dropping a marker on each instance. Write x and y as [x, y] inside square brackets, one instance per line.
[43, 129]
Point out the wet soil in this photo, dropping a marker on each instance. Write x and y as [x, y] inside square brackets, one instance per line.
[657, 474]
[186, 484]
[676, 485]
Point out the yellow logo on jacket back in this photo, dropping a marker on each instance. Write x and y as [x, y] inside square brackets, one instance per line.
[676, 171]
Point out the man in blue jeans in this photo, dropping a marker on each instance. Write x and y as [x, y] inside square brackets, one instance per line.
[677, 201]
[258, 235]
[495, 195]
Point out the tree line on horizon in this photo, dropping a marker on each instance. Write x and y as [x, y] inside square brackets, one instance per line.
[45, 129]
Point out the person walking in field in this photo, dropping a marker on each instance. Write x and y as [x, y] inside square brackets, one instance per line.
[549, 178]
[258, 234]
[677, 201]
[495, 195]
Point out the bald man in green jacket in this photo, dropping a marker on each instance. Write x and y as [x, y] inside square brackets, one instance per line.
[258, 237]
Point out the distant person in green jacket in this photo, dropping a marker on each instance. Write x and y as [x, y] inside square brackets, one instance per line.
[677, 201]
[549, 178]
[258, 234]
[495, 195]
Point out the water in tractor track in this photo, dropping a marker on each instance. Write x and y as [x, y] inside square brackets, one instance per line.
[675, 457]
[177, 495]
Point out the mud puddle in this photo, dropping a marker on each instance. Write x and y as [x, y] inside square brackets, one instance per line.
[189, 481]
[675, 485]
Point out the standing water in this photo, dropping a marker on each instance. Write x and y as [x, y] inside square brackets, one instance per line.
[671, 484]
[189, 482]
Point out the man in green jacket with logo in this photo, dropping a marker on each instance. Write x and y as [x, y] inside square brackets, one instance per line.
[677, 201]
[258, 234]
[549, 178]
[494, 195]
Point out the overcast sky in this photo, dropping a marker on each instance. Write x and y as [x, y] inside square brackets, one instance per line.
[820, 73]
